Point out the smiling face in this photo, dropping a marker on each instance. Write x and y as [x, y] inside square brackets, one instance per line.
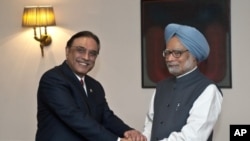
[81, 55]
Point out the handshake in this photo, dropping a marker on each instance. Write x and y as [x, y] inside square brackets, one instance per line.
[133, 135]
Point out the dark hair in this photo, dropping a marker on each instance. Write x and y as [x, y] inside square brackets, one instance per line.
[83, 34]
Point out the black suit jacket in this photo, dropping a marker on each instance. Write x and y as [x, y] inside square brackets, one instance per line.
[65, 113]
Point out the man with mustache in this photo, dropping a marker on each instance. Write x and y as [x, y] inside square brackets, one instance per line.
[72, 104]
[186, 106]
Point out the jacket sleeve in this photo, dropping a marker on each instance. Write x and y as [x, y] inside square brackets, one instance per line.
[109, 120]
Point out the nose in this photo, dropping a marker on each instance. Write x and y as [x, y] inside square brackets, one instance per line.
[86, 55]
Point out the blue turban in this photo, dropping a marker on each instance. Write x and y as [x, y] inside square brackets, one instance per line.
[191, 38]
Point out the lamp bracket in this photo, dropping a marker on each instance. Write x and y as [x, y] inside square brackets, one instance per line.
[45, 40]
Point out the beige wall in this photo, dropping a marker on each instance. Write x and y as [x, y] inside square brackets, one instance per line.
[118, 68]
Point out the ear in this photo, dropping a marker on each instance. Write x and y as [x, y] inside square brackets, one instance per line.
[67, 50]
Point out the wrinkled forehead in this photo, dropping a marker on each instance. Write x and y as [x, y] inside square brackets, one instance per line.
[86, 42]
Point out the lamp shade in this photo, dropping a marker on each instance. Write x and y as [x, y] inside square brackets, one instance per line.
[37, 16]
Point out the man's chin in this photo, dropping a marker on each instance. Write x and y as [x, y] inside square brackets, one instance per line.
[173, 72]
[84, 70]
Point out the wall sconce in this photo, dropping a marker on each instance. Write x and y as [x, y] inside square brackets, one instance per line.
[39, 16]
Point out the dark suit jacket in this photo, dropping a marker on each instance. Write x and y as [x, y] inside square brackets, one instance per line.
[65, 113]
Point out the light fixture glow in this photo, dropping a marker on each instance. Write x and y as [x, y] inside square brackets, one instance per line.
[39, 16]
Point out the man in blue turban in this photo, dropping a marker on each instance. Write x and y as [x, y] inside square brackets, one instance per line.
[187, 105]
[191, 38]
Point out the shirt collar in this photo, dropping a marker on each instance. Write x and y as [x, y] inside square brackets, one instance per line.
[187, 72]
[79, 78]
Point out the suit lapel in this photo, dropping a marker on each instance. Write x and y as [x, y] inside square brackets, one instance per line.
[80, 95]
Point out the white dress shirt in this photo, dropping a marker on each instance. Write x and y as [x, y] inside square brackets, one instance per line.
[84, 85]
[202, 117]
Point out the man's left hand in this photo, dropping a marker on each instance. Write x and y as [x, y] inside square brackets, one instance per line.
[135, 135]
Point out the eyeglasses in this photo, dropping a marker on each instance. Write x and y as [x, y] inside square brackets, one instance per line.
[175, 53]
[82, 50]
